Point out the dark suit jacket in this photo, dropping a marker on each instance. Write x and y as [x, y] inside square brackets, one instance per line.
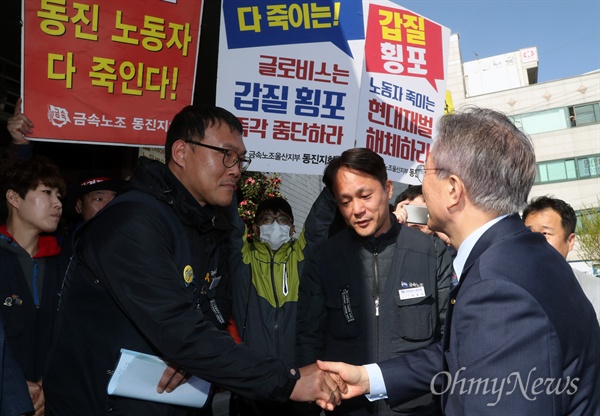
[521, 338]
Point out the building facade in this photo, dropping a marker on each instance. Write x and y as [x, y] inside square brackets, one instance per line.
[562, 117]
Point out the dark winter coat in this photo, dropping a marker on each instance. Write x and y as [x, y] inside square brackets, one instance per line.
[29, 295]
[363, 300]
[148, 277]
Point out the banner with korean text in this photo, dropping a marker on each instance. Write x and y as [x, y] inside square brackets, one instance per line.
[109, 71]
[403, 87]
[290, 71]
[310, 79]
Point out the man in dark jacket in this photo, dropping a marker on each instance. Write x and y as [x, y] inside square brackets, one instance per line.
[146, 275]
[520, 338]
[31, 268]
[377, 288]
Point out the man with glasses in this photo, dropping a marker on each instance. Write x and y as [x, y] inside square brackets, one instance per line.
[520, 337]
[149, 274]
[265, 284]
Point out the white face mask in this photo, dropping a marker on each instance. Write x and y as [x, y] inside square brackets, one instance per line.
[275, 234]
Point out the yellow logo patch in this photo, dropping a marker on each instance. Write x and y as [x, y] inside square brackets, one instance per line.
[188, 274]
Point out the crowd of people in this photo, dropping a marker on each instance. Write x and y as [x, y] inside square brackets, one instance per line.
[383, 315]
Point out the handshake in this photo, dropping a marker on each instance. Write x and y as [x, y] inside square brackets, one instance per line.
[327, 383]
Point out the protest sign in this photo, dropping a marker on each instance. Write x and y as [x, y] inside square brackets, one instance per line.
[109, 71]
[403, 87]
[312, 79]
[290, 71]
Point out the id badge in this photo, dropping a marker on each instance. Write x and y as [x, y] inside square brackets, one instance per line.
[412, 293]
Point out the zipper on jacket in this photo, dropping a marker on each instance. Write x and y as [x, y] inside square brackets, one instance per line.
[284, 284]
[36, 299]
[274, 286]
[376, 290]
[376, 282]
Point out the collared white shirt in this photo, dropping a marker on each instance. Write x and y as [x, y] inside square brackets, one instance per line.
[467, 245]
[377, 384]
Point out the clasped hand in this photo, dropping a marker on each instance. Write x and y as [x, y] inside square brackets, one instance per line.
[325, 383]
[316, 385]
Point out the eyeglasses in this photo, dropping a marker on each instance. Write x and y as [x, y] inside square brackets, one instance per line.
[420, 172]
[230, 157]
[269, 219]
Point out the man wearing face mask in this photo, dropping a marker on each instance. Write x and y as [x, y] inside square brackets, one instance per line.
[275, 225]
[266, 280]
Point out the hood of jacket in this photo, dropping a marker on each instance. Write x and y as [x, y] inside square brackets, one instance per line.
[47, 245]
[155, 178]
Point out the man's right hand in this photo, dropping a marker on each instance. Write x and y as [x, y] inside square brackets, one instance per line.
[355, 377]
[19, 125]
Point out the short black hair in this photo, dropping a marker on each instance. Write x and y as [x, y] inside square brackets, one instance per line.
[193, 120]
[359, 159]
[568, 218]
[410, 194]
[23, 176]
[275, 205]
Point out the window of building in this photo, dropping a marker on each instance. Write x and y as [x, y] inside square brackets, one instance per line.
[586, 114]
[542, 121]
[572, 169]
[589, 166]
[557, 171]
[558, 118]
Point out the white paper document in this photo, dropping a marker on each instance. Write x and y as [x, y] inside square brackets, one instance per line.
[137, 376]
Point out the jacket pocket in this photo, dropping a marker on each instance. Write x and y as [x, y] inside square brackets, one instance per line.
[415, 320]
[16, 318]
[343, 314]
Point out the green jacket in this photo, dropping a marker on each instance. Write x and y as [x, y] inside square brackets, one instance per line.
[265, 284]
[275, 276]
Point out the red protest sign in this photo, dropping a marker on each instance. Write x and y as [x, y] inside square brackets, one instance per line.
[108, 71]
[401, 42]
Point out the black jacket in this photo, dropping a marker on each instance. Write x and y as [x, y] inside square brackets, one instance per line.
[129, 286]
[406, 271]
[29, 323]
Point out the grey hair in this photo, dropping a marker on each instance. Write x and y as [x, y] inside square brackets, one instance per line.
[493, 158]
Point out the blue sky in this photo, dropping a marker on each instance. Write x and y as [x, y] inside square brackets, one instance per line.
[566, 33]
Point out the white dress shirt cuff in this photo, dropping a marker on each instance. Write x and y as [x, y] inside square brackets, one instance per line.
[377, 384]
